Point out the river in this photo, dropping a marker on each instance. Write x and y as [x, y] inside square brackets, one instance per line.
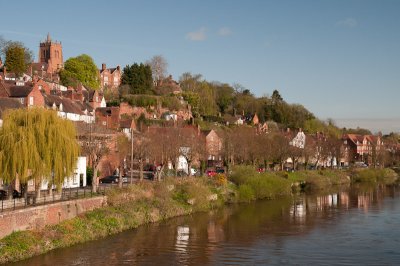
[357, 226]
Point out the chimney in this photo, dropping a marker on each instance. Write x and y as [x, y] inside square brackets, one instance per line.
[118, 68]
[103, 66]
[5, 71]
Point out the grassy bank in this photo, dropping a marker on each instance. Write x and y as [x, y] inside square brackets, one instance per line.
[147, 202]
[127, 208]
[382, 176]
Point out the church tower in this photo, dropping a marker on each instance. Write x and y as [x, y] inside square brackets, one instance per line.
[50, 53]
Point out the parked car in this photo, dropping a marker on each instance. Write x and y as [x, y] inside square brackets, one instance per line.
[17, 194]
[211, 173]
[220, 170]
[112, 179]
[360, 164]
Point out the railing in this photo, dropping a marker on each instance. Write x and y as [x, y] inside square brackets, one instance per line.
[67, 194]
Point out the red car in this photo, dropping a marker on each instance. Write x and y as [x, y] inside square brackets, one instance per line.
[211, 173]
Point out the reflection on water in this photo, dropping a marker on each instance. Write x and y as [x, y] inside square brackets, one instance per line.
[350, 226]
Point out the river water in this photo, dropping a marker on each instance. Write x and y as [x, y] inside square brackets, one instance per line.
[357, 226]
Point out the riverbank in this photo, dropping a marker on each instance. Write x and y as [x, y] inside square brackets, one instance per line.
[148, 202]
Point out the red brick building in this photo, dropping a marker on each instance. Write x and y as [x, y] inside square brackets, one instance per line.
[109, 77]
[27, 93]
[50, 57]
[361, 148]
[108, 117]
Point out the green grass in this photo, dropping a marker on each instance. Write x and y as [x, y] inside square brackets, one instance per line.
[384, 176]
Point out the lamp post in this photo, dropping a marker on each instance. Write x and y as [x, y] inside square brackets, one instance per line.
[131, 156]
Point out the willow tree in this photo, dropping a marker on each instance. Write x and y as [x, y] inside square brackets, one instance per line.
[37, 145]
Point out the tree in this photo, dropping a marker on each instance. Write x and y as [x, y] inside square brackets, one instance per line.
[280, 149]
[18, 57]
[140, 151]
[158, 66]
[138, 77]
[94, 142]
[224, 97]
[25, 60]
[192, 146]
[36, 144]
[15, 61]
[276, 97]
[80, 69]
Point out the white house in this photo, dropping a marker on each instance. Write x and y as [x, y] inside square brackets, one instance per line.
[78, 178]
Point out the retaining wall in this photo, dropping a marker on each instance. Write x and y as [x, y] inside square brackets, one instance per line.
[40, 216]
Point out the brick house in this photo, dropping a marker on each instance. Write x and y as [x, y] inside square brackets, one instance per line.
[213, 144]
[27, 93]
[109, 77]
[108, 117]
[361, 148]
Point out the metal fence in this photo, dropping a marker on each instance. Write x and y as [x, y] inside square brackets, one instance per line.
[67, 194]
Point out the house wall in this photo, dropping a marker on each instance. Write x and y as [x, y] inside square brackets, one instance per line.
[40, 216]
[110, 80]
[213, 145]
[38, 99]
[74, 180]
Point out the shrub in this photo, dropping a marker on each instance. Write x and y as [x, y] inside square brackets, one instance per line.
[221, 180]
[386, 176]
[245, 193]
[241, 174]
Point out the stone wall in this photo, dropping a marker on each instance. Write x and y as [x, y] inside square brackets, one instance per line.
[40, 216]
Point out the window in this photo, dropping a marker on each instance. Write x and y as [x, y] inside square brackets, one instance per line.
[22, 100]
[76, 178]
[30, 100]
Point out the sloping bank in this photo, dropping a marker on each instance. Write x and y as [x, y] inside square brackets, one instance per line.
[155, 201]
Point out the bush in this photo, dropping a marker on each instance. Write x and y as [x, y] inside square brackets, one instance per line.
[245, 193]
[241, 174]
[263, 185]
[221, 180]
[385, 176]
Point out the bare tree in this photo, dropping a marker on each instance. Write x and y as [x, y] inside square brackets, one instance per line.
[163, 148]
[192, 146]
[280, 148]
[94, 142]
[158, 66]
[141, 151]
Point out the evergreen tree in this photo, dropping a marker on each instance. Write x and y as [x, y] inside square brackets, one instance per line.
[138, 77]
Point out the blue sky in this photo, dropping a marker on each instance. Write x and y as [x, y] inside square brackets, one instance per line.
[340, 59]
